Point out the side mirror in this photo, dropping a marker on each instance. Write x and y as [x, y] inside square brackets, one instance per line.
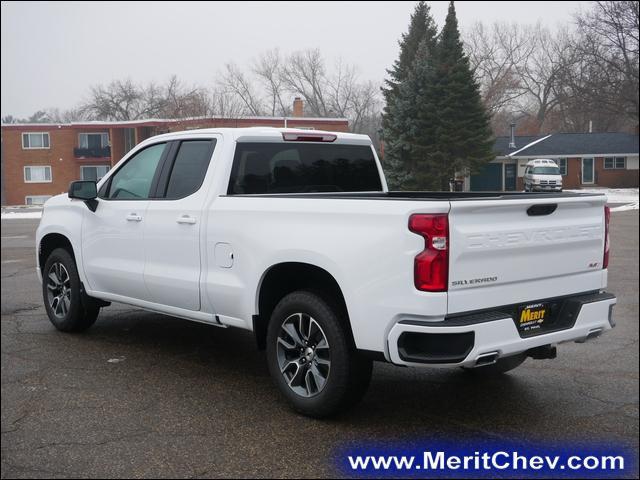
[85, 190]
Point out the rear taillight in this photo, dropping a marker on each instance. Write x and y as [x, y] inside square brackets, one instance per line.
[431, 266]
[607, 243]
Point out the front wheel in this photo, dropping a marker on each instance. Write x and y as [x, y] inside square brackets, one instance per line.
[311, 356]
[68, 307]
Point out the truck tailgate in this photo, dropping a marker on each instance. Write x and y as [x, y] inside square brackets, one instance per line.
[507, 251]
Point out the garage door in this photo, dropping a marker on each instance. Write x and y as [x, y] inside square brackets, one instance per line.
[489, 179]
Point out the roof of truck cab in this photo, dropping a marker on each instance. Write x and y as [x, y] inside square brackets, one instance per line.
[257, 134]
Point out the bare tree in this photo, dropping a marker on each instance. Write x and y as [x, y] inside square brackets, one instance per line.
[226, 104]
[337, 93]
[236, 81]
[517, 68]
[184, 102]
[495, 52]
[608, 41]
[56, 115]
[541, 72]
[123, 100]
[567, 79]
[268, 69]
[266, 88]
[341, 89]
[365, 109]
[305, 75]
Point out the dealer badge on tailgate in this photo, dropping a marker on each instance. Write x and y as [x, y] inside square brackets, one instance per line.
[532, 317]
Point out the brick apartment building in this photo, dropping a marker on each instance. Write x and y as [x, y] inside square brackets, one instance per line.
[40, 160]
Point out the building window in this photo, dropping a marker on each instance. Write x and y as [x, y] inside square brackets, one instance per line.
[37, 174]
[36, 199]
[615, 163]
[35, 140]
[93, 140]
[93, 172]
[129, 139]
[562, 165]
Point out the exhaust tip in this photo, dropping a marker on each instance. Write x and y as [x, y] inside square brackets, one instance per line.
[487, 358]
[593, 333]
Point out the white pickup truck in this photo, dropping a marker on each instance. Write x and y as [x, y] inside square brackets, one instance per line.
[292, 234]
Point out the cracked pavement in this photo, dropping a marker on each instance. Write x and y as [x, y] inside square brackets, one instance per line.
[146, 395]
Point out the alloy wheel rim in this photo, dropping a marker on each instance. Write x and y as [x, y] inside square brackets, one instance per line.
[59, 290]
[303, 354]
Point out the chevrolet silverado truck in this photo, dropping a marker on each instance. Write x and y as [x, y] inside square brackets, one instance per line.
[293, 235]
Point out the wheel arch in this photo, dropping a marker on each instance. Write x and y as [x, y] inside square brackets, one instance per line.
[283, 278]
[49, 242]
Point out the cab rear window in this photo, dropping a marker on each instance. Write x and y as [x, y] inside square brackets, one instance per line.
[260, 168]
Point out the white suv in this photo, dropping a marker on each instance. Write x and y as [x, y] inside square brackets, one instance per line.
[542, 175]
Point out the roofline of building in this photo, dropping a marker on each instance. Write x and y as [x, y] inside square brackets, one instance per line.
[567, 155]
[153, 122]
[571, 133]
[529, 145]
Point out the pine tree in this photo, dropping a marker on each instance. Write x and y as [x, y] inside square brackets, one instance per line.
[422, 27]
[417, 104]
[462, 139]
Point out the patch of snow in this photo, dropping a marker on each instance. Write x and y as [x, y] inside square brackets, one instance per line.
[116, 360]
[614, 195]
[625, 208]
[20, 215]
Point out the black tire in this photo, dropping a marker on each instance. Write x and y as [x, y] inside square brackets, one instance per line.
[503, 365]
[78, 312]
[348, 375]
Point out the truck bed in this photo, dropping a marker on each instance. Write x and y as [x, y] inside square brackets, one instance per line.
[424, 195]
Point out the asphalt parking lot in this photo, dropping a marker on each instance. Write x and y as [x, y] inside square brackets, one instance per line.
[146, 395]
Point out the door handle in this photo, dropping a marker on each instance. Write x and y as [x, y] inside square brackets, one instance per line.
[133, 217]
[536, 210]
[188, 219]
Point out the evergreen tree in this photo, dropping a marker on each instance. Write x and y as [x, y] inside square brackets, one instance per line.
[422, 27]
[462, 138]
[436, 125]
[416, 104]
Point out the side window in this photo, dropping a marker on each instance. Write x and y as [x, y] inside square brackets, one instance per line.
[133, 180]
[189, 168]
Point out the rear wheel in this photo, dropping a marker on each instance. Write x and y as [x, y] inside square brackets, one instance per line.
[68, 307]
[311, 356]
[501, 366]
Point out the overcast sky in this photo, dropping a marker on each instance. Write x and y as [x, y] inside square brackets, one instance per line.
[53, 52]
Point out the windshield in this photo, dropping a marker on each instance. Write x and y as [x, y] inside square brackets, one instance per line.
[545, 171]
